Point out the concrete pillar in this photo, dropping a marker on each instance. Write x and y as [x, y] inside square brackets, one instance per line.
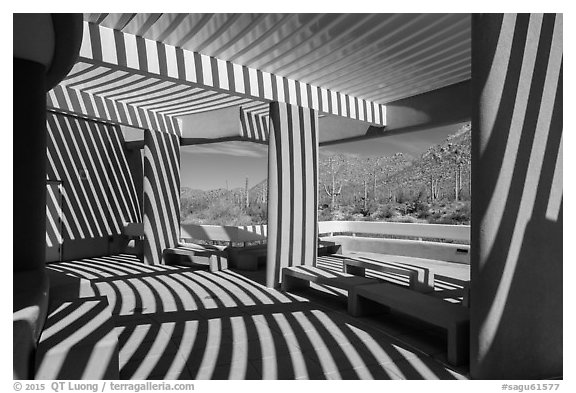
[44, 49]
[161, 194]
[516, 255]
[29, 165]
[292, 189]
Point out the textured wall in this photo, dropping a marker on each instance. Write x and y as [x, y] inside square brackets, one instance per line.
[292, 189]
[97, 188]
[516, 261]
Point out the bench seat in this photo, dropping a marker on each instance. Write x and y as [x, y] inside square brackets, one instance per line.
[301, 276]
[215, 258]
[370, 299]
[419, 279]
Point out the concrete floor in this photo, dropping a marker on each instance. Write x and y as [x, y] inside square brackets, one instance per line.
[179, 323]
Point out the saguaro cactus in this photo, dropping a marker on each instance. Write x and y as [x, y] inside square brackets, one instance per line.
[247, 194]
[334, 166]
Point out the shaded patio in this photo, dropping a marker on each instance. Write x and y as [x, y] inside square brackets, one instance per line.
[180, 323]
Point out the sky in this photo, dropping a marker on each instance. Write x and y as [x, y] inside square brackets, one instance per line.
[414, 143]
[227, 164]
[207, 167]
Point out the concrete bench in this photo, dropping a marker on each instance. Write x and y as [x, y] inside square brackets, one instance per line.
[249, 258]
[371, 299]
[196, 255]
[299, 277]
[419, 279]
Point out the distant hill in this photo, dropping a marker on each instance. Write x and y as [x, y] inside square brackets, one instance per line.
[441, 170]
[440, 173]
[435, 174]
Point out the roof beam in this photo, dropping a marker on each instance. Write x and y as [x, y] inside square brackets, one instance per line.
[448, 105]
[440, 107]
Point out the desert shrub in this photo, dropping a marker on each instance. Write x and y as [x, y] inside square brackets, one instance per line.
[324, 215]
[384, 212]
[408, 219]
[402, 197]
[258, 213]
[422, 209]
[461, 214]
[348, 217]
[452, 214]
[223, 213]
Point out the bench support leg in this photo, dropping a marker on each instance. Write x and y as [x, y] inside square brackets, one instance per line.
[355, 270]
[217, 263]
[459, 344]
[425, 281]
[246, 262]
[292, 284]
[359, 306]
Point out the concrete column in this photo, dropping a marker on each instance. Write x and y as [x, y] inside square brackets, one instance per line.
[292, 189]
[516, 254]
[29, 165]
[41, 59]
[161, 194]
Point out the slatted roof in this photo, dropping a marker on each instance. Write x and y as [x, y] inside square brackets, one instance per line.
[378, 57]
[157, 70]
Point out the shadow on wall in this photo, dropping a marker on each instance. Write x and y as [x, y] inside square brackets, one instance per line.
[91, 190]
[179, 323]
[518, 166]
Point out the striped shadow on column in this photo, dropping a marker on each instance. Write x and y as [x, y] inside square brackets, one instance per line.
[516, 321]
[161, 194]
[292, 189]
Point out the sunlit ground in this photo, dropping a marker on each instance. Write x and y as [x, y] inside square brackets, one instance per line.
[179, 323]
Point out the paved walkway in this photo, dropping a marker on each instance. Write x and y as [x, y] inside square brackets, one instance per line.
[179, 323]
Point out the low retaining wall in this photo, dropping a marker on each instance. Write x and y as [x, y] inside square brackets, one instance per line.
[224, 233]
[449, 252]
[458, 253]
[457, 233]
